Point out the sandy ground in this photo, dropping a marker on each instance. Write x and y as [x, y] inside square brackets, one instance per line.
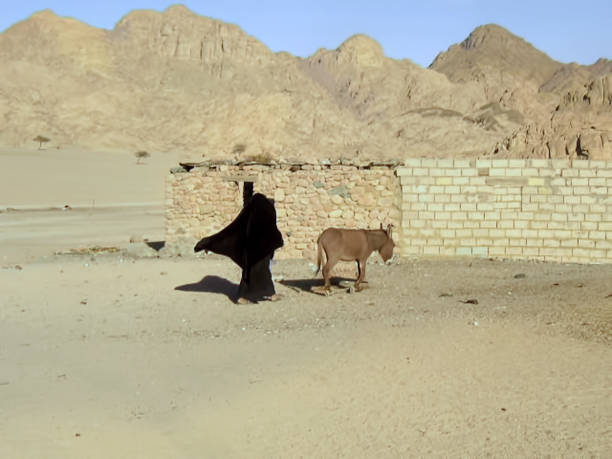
[111, 355]
[111, 199]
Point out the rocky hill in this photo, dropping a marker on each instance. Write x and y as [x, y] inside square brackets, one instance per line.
[177, 81]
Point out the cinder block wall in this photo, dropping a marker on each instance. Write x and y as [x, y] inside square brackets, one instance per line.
[308, 199]
[553, 210]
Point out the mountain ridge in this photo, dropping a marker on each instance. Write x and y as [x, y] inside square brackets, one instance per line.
[178, 81]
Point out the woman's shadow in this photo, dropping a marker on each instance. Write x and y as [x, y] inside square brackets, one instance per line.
[212, 284]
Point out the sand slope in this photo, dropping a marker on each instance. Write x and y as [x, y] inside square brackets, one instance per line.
[111, 200]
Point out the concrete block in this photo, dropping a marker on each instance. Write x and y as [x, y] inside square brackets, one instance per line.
[497, 251]
[480, 251]
[471, 172]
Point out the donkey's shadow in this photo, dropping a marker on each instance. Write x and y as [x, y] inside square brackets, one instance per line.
[313, 284]
[212, 284]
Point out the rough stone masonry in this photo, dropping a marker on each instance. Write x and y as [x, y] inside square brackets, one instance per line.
[308, 198]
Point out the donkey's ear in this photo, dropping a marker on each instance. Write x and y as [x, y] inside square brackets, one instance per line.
[389, 228]
[381, 226]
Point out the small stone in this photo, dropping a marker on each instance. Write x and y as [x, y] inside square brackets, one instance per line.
[470, 301]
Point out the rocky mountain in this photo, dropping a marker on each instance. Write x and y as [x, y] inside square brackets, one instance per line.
[177, 81]
[565, 107]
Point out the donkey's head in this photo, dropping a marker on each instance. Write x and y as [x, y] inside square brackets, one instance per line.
[386, 250]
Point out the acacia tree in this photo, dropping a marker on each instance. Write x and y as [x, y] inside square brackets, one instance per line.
[238, 149]
[41, 139]
[140, 155]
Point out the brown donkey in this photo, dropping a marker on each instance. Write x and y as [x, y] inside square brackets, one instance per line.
[352, 245]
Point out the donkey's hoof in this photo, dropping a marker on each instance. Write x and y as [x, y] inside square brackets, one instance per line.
[351, 289]
[321, 291]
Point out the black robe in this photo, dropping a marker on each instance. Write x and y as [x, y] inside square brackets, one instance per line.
[250, 241]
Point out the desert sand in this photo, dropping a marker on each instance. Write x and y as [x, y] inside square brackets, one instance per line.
[110, 197]
[129, 354]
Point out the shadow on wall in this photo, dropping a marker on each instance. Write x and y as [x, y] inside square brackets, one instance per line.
[212, 284]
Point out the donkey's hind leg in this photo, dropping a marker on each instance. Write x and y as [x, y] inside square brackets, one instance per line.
[329, 265]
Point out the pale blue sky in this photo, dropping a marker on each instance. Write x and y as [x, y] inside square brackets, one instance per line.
[568, 31]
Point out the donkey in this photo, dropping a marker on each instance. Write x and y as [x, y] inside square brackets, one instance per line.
[352, 245]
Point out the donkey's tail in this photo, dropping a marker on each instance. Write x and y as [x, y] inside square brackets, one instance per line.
[319, 256]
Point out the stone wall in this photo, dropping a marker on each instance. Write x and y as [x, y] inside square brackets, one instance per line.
[550, 210]
[553, 210]
[308, 199]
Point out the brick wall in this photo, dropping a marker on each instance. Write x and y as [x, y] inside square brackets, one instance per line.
[553, 210]
[308, 199]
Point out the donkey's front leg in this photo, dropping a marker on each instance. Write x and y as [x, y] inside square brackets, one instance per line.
[361, 265]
